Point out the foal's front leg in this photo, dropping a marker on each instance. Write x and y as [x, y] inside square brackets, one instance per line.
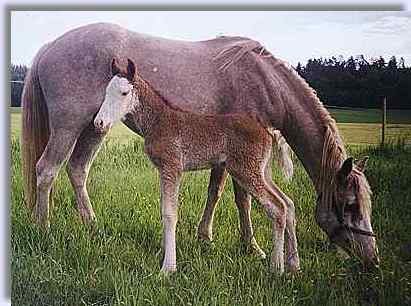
[169, 185]
[215, 189]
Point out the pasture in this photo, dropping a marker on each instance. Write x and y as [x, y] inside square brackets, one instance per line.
[118, 265]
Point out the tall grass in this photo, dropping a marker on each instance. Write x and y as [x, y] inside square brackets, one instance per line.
[117, 265]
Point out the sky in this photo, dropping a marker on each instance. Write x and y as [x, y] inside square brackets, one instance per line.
[292, 36]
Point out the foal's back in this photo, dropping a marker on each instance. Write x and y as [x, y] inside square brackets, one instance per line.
[203, 141]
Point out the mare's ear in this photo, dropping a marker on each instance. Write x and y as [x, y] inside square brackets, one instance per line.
[131, 70]
[114, 68]
[360, 164]
[345, 170]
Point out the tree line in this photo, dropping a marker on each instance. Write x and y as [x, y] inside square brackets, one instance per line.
[352, 82]
[17, 75]
[357, 82]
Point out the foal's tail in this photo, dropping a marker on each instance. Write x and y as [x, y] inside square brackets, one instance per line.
[282, 154]
[35, 129]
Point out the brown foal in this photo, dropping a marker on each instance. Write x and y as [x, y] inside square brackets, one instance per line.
[178, 141]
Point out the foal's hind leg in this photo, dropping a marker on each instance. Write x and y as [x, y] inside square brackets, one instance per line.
[254, 182]
[78, 168]
[293, 260]
[58, 148]
[243, 202]
[215, 189]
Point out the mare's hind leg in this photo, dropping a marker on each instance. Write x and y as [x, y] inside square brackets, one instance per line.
[78, 168]
[59, 146]
[243, 202]
[215, 189]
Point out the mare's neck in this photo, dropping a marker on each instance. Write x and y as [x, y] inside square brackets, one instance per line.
[312, 133]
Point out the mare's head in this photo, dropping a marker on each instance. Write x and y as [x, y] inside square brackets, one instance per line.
[120, 98]
[352, 207]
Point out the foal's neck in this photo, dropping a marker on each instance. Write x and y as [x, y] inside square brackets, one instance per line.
[151, 109]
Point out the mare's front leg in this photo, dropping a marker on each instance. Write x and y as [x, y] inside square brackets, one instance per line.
[215, 189]
[243, 202]
[169, 185]
[78, 168]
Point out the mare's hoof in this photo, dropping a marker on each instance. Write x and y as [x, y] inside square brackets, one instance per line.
[204, 236]
[254, 250]
[293, 263]
[293, 269]
[42, 224]
[258, 253]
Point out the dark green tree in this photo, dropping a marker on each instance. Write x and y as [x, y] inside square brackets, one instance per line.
[17, 76]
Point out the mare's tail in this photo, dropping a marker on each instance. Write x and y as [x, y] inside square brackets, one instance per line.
[35, 129]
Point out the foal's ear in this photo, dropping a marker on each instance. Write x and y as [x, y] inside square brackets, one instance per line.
[361, 163]
[131, 70]
[345, 170]
[114, 68]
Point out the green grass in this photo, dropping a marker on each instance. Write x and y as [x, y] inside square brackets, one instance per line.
[118, 266]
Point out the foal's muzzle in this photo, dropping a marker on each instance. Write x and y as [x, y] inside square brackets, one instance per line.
[100, 126]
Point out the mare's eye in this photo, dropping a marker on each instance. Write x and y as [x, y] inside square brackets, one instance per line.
[125, 93]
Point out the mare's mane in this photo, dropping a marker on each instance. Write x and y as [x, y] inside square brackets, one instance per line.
[333, 152]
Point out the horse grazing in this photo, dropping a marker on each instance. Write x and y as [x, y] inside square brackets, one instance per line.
[178, 141]
[66, 86]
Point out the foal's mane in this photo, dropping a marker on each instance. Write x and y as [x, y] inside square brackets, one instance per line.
[147, 91]
[333, 152]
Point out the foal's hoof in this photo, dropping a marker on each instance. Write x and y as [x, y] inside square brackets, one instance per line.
[277, 270]
[168, 270]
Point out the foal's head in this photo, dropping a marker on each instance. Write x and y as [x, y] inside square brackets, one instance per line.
[120, 98]
[352, 206]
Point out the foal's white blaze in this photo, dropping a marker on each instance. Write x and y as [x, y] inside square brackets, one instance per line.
[118, 102]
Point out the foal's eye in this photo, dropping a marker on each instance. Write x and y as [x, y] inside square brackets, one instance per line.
[125, 93]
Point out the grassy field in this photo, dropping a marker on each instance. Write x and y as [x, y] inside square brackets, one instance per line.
[357, 127]
[118, 265]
